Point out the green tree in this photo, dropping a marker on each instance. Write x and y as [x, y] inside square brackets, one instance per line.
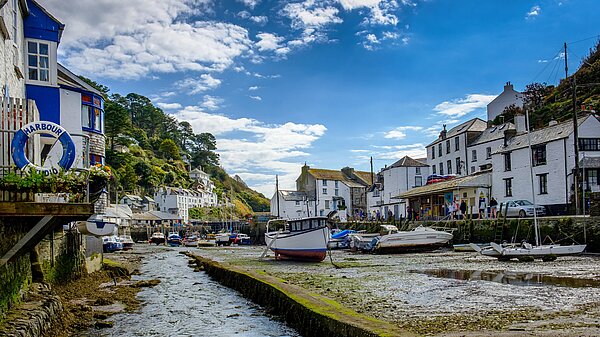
[169, 150]
[116, 121]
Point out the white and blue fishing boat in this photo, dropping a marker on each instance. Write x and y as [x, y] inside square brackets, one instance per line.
[301, 239]
[174, 239]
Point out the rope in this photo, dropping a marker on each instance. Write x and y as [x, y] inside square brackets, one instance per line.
[329, 251]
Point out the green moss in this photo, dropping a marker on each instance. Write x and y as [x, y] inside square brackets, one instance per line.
[15, 279]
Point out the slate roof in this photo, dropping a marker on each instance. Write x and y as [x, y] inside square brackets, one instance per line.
[164, 215]
[66, 77]
[407, 161]
[475, 124]
[479, 179]
[493, 133]
[590, 162]
[542, 136]
[288, 195]
[364, 176]
[327, 174]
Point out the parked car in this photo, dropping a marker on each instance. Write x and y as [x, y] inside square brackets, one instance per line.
[522, 208]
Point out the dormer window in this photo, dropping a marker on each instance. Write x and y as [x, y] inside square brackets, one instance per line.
[38, 61]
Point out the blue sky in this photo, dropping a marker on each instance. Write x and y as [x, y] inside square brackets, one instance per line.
[328, 82]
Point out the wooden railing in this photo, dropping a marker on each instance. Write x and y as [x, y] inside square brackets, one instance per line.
[14, 114]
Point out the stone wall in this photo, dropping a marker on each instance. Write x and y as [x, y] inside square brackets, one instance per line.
[97, 144]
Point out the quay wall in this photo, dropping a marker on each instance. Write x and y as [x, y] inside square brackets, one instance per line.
[57, 258]
[563, 230]
[310, 314]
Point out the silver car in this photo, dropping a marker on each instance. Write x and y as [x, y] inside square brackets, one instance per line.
[522, 208]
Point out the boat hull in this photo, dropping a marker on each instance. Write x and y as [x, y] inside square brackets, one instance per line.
[535, 251]
[421, 239]
[309, 245]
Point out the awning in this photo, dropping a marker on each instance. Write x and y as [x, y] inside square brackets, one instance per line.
[481, 179]
[589, 162]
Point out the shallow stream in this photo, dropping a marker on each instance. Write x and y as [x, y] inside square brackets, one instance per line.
[188, 303]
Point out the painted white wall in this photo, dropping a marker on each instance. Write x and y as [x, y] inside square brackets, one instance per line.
[343, 191]
[70, 119]
[290, 209]
[482, 158]
[507, 98]
[11, 53]
[460, 153]
[181, 202]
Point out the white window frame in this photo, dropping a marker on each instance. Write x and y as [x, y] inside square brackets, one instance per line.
[52, 71]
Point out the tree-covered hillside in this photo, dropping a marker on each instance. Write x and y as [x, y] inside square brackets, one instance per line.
[148, 148]
[549, 102]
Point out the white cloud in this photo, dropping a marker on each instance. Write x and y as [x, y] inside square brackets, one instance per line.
[141, 37]
[268, 41]
[270, 148]
[260, 20]
[381, 11]
[250, 3]
[395, 152]
[211, 102]
[399, 132]
[256, 98]
[169, 106]
[197, 85]
[312, 18]
[534, 11]
[253, 88]
[461, 107]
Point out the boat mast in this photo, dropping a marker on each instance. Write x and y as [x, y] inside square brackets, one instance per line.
[535, 223]
[575, 134]
[277, 193]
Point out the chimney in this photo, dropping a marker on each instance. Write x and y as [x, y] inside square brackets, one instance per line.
[348, 171]
[443, 133]
[508, 134]
[520, 124]
[508, 86]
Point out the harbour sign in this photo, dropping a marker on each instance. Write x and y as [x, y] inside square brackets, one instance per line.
[46, 128]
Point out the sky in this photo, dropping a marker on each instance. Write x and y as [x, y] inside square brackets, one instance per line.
[329, 83]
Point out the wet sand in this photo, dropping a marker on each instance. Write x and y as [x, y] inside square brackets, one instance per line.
[445, 293]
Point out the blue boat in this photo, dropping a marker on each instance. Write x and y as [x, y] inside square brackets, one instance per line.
[111, 244]
[174, 240]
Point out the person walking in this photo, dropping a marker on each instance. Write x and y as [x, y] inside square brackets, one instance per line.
[494, 208]
[463, 209]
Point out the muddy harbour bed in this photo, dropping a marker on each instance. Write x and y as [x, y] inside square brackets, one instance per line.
[445, 293]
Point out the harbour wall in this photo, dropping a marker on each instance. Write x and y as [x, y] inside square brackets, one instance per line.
[563, 230]
[310, 314]
[57, 258]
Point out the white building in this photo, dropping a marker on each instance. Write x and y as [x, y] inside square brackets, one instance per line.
[138, 204]
[480, 150]
[449, 154]
[553, 164]
[205, 187]
[507, 98]
[177, 201]
[291, 204]
[403, 175]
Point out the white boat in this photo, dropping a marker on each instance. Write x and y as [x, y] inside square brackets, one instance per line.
[361, 241]
[190, 241]
[127, 242]
[302, 239]
[157, 238]
[417, 240]
[528, 251]
[223, 239]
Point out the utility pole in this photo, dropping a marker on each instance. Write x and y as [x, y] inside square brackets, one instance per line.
[372, 178]
[575, 132]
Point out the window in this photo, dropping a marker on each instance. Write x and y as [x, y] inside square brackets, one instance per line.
[92, 113]
[433, 152]
[297, 203]
[488, 152]
[336, 183]
[458, 166]
[539, 155]
[433, 169]
[449, 164]
[15, 15]
[473, 155]
[417, 170]
[324, 182]
[448, 146]
[442, 168]
[324, 191]
[418, 181]
[456, 144]
[38, 62]
[336, 192]
[507, 162]
[508, 187]
[543, 179]
[439, 149]
[326, 204]
[589, 144]
[591, 177]
[472, 169]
